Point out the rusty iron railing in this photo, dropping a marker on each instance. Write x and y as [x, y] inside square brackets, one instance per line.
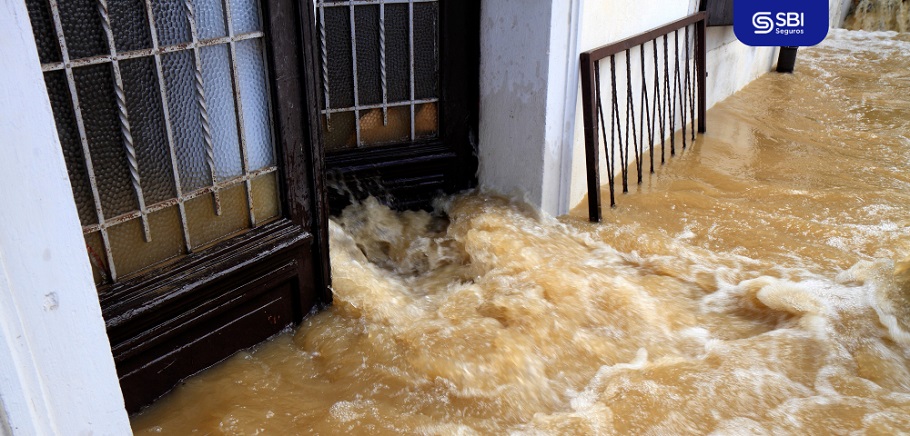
[657, 110]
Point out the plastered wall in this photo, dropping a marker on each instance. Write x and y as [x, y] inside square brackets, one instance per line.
[57, 374]
[531, 141]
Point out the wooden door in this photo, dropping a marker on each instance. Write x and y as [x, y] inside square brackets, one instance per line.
[190, 139]
[398, 98]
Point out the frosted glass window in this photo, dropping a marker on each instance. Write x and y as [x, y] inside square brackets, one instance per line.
[380, 71]
[163, 113]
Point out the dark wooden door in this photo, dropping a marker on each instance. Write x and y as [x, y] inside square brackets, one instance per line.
[399, 98]
[192, 143]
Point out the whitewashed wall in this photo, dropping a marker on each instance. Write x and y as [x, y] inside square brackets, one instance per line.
[531, 136]
[57, 374]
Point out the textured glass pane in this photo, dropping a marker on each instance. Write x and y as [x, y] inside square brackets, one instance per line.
[184, 111]
[426, 72]
[369, 89]
[62, 104]
[206, 227]
[254, 95]
[338, 46]
[95, 85]
[132, 253]
[39, 13]
[129, 22]
[210, 19]
[82, 28]
[342, 135]
[426, 121]
[219, 96]
[171, 21]
[398, 61]
[265, 197]
[143, 99]
[97, 257]
[374, 132]
[245, 16]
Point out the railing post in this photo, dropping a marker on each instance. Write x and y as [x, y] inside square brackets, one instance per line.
[701, 55]
[592, 155]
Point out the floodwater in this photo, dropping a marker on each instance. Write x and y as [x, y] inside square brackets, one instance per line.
[759, 283]
[879, 15]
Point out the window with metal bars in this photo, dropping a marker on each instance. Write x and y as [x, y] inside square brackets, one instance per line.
[380, 71]
[162, 109]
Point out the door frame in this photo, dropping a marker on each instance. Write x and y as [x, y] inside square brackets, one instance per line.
[176, 320]
[411, 175]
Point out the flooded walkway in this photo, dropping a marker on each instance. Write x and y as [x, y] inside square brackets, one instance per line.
[759, 283]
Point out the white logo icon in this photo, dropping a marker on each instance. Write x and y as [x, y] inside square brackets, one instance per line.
[763, 23]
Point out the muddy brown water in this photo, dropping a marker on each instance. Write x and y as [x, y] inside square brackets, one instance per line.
[759, 283]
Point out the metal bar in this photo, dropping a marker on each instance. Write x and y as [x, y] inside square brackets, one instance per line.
[657, 112]
[702, 76]
[132, 54]
[238, 111]
[202, 104]
[354, 67]
[168, 128]
[630, 114]
[622, 45]
[666, 107]
[382, 70]
[645, 108]
[616, 124]
[80, 125]
[370, 2]
[690, 85]
[684, 87]
[379, 106]
[411, 56]
[592, 159]
[123, 114]
[662, 113]
[610, 152]
[673, 96]
[325, 66]
[119, 219]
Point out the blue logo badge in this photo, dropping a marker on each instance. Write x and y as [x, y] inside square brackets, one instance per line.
[780, 22]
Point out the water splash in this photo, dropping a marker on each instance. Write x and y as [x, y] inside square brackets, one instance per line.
[760, 284]
[877, 15]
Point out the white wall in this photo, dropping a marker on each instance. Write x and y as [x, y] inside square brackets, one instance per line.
[528, 57]
[57, 374]
[531, 136]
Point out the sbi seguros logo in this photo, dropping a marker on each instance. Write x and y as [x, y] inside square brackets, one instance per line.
[780, 22]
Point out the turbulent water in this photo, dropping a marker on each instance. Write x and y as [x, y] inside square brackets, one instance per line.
[879, 15]
[758, 283]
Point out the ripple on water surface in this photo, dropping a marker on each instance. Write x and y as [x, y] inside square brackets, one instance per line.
[759, 283]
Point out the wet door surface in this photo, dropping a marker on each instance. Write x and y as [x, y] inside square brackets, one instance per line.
[398, 98]
[186, 131]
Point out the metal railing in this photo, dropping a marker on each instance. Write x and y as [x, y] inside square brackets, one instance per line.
[669, 98]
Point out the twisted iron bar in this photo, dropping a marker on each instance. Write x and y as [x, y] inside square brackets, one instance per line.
[382, 72]
[325, 66]
[123, 114]
[645, 104]
[682, 91]
[691, 85]
[666, 107]
[201, 103]
[658, 111]
[630, 113]
[603, 128]
[615, 123]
